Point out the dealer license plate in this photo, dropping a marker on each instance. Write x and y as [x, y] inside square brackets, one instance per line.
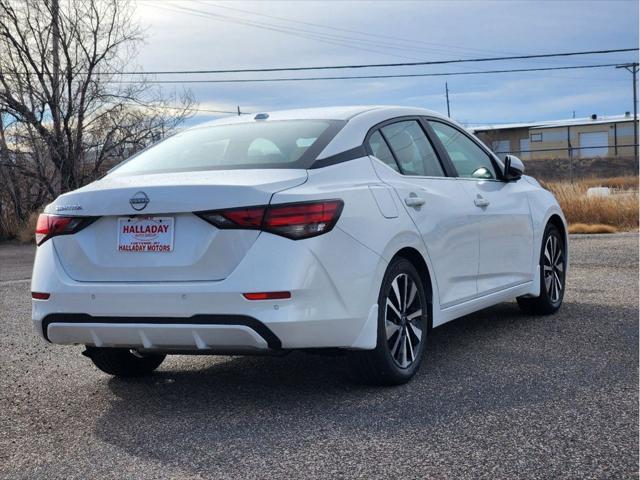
[145, 234]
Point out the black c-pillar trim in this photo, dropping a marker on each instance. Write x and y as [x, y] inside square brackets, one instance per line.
[351, 154]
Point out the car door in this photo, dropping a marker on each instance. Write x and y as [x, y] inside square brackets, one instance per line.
[405, 159]
[501, 215]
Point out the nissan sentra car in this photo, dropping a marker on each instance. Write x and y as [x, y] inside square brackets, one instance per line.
[351, 228]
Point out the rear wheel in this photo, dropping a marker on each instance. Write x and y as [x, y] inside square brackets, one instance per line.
[402, 328]
[122, 362]
[553, 263]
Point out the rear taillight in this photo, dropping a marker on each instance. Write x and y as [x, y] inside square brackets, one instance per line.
[302, 220]
[52, 225]
[291, 220]
[249, 217]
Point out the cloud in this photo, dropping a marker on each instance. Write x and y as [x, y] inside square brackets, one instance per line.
[220, 35]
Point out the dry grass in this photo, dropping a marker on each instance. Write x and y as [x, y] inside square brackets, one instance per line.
[621, 183]
[26, 231]
[599, 214]
[593, 228]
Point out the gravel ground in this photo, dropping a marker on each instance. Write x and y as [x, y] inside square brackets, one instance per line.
[501, 395]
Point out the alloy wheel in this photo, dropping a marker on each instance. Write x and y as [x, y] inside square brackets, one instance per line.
[553, 268]
[403, 320]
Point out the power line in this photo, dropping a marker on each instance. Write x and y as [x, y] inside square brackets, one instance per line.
[332, 39]
[329, 38]
[194, 109]
[362, 33]
[376, 40]
[153, 106]
[376, 65]
[400, 42]
[355, 77]
[389, 42]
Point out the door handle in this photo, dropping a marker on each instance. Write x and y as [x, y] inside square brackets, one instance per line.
[414, 201]
[481, 202]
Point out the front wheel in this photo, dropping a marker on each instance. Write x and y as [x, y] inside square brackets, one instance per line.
[122, 362]
[553, 262]
[402, 328]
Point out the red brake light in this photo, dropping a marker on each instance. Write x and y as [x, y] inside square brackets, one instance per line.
[51, 225]
[267, 295]
[40, 295]
[291, 220]
[302, 220]
[245, 217]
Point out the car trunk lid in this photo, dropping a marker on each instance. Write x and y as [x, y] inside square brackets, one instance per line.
[199, 251]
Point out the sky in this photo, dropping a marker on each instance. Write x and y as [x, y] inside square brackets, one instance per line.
[211, 34]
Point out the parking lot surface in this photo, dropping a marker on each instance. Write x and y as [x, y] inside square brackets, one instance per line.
[500, 395]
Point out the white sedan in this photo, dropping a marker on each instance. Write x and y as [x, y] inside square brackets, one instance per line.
[354, 228]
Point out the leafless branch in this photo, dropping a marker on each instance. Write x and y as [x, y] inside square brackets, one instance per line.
[63, 120]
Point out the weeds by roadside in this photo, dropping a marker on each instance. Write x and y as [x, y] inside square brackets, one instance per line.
[26, 231]
[593, 228]
[606, 214]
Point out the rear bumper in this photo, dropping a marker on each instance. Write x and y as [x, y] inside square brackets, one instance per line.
[226, 333]
[333, 300]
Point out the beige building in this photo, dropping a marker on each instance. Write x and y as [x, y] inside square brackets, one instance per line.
[594, 137]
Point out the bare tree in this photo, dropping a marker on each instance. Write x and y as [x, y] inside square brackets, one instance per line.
[62, 98]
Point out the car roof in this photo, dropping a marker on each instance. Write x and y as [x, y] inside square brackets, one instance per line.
[324, 113]
[359, 120]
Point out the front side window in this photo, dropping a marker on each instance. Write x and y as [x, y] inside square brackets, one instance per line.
[412, 149]
[470, 160]
[276, 144]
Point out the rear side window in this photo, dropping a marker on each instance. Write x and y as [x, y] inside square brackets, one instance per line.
[381, 151]
[264, 144]
[412, 149]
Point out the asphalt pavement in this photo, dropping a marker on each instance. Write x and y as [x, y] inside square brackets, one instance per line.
[500, 395]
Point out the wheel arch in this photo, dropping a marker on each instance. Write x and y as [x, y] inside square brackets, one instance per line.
[420, 264]
[557, 222]
[560, 223]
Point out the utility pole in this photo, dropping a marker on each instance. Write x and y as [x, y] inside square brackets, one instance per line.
[446, 92]
[66, 170]
[570, 152]
[55, 43]
[633, 68]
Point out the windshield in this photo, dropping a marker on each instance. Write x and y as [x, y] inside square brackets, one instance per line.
[276, 144]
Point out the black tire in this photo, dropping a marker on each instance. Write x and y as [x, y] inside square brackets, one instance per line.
[121, 362]
[552, 275]
[387, 364]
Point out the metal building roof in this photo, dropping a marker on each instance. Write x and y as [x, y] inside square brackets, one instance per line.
[553, 123]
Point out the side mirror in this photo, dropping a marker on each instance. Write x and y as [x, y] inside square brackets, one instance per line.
[513, 168]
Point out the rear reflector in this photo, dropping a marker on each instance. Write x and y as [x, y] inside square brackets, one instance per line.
[40, 296]
[52, 225]
[267, 295]
[291, 220]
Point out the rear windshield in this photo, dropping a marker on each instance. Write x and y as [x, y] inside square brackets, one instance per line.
[260, 144]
